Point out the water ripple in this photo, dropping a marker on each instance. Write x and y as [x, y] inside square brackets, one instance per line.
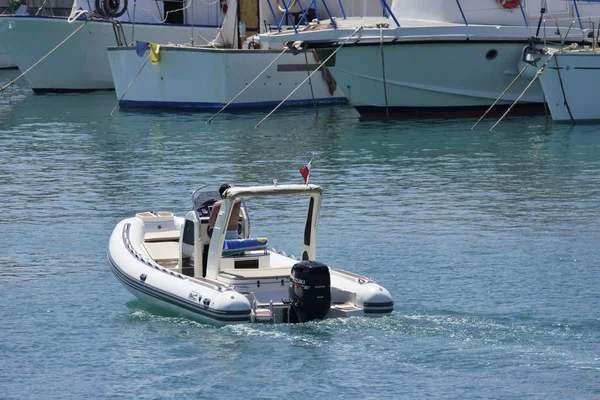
[487, 241]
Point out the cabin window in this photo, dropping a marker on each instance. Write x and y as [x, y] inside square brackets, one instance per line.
[245, 264]
[188, 232]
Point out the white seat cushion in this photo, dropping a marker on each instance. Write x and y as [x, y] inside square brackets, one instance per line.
[162, 251]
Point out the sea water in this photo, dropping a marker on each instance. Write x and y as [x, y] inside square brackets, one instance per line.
[488, 241]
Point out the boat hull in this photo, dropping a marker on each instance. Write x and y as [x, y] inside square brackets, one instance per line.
[433, 78]
[168, 289]
[177, 304]
[81, 63]
[208, 78]
[570, 83]
[146, 254]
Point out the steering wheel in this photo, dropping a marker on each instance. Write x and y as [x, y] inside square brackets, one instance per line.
[205, 208]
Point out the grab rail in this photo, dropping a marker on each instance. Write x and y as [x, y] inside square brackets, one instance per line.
[119, 33]
[303, 12]
[387, 8]
[314, 4]
[585, 29]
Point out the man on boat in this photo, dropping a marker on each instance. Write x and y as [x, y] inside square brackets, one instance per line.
[232, 226]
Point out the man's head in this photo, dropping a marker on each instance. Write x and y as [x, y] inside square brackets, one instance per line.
[223, 188]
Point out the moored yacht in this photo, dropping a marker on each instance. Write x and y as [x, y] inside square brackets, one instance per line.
[209, 76]
[438, 57]
[570, 79]
[75, 47]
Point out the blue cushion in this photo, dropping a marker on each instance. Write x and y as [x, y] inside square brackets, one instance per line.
[240, 245]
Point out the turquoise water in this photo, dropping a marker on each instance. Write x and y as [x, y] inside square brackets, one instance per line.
[488, 242]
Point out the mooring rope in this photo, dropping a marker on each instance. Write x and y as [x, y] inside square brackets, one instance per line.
[312, 73]
[211, 44]
[250, 84]
[131, 83]
[42, 7]
[499, 97]
[537, 74]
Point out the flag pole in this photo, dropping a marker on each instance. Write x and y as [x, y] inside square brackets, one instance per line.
[305, 171]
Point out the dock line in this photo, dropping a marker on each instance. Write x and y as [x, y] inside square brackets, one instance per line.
[131, 83]
[309, 76]
[211, 44]
[244, 89]
[499, 97]
[537, 74]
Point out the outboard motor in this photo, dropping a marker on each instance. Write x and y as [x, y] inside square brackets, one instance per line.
[310, 291]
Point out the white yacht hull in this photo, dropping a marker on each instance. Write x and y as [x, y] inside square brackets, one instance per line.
[442, 57]
[430, 77]
[570, 83]
[81, 63]
[208, 78]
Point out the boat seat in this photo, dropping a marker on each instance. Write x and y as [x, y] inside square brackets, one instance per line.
[162, 251]
[162, 235]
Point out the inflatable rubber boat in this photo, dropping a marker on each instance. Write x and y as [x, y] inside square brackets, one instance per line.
[179, 264]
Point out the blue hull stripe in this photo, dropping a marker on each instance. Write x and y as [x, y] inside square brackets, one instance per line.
[226, 316]
[379, 311]
[449, 111]
[386, 304]
[234, 106]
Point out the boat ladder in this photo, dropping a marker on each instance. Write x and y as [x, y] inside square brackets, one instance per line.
[119, 33]
[262, 315]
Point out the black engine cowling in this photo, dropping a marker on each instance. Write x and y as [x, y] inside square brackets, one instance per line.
[310, 291]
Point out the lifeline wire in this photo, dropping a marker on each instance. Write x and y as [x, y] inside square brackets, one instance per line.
[41, 59]
[312, 73]
[206, 40]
